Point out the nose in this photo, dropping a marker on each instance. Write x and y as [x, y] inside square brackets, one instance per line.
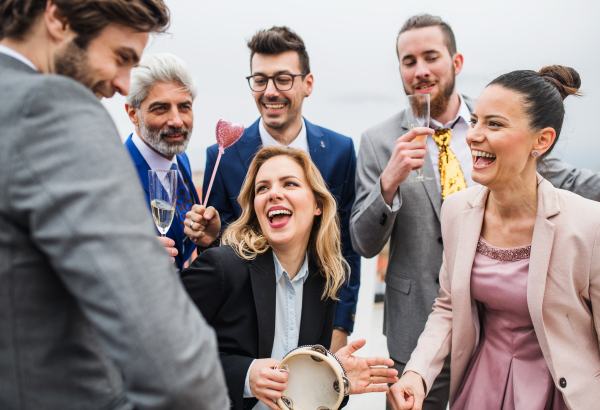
[275, 194]
[120, 82]
[271, 90]
[174, 118]
[422, 70]
[474, 134]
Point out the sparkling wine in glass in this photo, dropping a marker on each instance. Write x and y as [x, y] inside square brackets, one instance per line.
[417, 115]
[163, 196]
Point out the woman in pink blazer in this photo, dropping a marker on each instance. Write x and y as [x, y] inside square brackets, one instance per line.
[519, 304]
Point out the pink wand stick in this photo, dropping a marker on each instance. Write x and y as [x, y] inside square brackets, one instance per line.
[213, 177]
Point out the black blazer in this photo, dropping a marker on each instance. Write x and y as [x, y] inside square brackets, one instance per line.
[237, 298]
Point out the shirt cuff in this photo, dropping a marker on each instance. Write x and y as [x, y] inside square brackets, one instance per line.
[247, 392]
[396, 202]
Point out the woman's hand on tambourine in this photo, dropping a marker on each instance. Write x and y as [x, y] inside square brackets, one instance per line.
[408, 393]
[267, 384]
[366, 378]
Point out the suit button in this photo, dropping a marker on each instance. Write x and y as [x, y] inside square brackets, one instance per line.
[437, 280]
[563, 382]
[382, 219]
[440, 241]
[231, 404]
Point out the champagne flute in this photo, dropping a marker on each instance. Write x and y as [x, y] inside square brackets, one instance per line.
[163, 196]
[417, 115]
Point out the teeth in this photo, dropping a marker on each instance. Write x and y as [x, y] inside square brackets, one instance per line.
[280, 211]
[482, 154]
[274, 106]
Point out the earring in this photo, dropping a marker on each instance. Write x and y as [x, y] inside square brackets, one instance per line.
[535, 153]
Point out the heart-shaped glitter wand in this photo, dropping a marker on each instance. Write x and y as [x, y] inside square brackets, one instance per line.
[227, 135]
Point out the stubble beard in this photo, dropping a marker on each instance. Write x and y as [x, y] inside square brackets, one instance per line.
[156, 139]
[73, 62]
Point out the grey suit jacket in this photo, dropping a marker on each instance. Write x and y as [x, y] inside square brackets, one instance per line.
[413, 227]
[92, 315]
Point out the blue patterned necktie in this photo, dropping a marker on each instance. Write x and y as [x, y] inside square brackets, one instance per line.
[184, 200]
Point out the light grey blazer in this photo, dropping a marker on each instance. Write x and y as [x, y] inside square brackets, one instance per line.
[413, 227]
[92, 315]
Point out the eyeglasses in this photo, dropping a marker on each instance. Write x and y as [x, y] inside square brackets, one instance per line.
[283, 82]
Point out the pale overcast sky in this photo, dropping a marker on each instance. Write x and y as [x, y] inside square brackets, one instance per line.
[351, 45]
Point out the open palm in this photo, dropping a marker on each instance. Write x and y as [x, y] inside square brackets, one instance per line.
[364, 377]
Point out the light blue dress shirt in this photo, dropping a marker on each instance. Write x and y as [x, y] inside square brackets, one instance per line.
[288, 312]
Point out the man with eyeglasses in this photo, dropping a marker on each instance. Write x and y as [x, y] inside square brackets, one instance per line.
[280, 81]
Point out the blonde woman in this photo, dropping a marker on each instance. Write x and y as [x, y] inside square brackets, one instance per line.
[273, 285]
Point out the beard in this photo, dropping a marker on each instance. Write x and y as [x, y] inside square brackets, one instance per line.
[439, 103]
[157, 141]
[72, 61]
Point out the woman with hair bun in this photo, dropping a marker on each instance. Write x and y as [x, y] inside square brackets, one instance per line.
[519, 304]
[273, 285]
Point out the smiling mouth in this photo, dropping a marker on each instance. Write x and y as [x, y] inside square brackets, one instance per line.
[424, 87]
[274, 106]
[482, 159]
[279, 217]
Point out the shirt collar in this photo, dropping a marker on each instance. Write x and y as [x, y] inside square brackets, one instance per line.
[302, 273]
[16, 55]
[463, 113]
[300, 142]
[153, 159]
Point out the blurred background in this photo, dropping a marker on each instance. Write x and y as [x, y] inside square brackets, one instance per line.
[351, 45]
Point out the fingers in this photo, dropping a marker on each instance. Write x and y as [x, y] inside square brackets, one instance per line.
[351, 348]
[380, 361]
[415, 132]
[399, 399]
[271, 404]
[169, 244]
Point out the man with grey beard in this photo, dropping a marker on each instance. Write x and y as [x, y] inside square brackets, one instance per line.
[160, 106]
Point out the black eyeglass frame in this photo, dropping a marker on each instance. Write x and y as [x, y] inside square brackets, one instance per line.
[272, 77]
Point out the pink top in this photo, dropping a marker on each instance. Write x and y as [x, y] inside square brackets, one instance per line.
[508, 370]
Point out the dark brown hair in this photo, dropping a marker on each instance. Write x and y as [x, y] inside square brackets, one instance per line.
[86, 17]
[427, 20]
[543, 94]
[277, 40]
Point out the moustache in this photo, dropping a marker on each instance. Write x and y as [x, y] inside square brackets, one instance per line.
[274, 100]
[174, 130]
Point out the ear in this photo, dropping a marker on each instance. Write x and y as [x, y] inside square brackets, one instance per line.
[309, 80]
[318, 211]
[544, 140]
[133, 114]
[458, 63]
[56, 23]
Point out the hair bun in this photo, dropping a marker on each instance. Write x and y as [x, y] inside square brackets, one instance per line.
[566, 80]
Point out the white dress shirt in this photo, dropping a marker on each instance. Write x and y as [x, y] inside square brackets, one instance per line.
[458, 144]
[12, 53]
[288, 313]
[156, 161]
[300, 142]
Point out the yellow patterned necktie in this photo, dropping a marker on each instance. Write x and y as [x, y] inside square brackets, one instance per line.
[451, 176]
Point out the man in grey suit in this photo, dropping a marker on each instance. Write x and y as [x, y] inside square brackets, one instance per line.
[389, 206]
[92, 315]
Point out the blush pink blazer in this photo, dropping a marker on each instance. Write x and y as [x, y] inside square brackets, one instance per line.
[563, 292]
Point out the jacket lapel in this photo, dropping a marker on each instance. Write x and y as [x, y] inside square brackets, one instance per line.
[140, 164]
[262, 277]
[318, 148]
[464, 329]
[313, 308]
[248, 145]
[541, 250]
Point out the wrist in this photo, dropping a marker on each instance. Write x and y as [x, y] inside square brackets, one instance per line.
[343, 329]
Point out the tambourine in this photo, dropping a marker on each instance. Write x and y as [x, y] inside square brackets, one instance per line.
[315, 377]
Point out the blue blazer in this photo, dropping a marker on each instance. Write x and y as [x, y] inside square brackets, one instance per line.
[334, 156]
[183, 244]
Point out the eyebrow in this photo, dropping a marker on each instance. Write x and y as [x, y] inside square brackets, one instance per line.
[487, 117]
[277, 73]
[409, 56]
[281, 179]
[158, 104]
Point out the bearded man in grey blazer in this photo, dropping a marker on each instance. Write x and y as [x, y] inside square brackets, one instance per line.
[92, 315]
[389, 206]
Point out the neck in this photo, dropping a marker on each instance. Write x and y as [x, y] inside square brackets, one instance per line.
[452, 110]
[516, 199]
[285, 135]
[291, 258]
[169, 157]
[34, 48]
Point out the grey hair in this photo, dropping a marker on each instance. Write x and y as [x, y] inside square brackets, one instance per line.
[158, 68]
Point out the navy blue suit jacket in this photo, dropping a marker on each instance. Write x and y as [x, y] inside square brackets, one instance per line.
[334, 156]
[183, 244]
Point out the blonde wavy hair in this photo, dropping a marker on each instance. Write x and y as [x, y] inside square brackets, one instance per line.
[324, 245]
